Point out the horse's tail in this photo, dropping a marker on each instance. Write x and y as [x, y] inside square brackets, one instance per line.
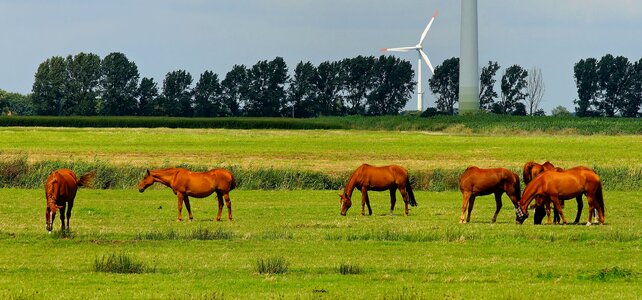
[86, 179]
[411, 195]
[599, 196]
[233, 183]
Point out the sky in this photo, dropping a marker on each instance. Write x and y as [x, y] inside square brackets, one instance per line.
[161, 36]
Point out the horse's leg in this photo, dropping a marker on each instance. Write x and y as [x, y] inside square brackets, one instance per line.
[71, 205]
[62, 217]
[364, 198]
[558, 207]
[393, 199]
[556, 216]
[498, 205]
[189, 208]
[547, 205]
[404, 195]
[219, 197]
[471, 203]
[464, 205]
[580, 207]
[228, 203]
[180, 206]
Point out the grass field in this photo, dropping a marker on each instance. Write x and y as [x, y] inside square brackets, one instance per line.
[425, 255]
[322, 150]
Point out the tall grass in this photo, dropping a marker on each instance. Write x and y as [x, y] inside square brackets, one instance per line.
[271, 265]
[121, 263]
[479, 123]
[18, 173]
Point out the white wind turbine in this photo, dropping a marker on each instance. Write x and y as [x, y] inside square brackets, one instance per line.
[422, 56]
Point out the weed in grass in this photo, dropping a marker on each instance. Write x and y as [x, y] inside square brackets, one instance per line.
[349, 269]
[615, 273]
[205, 234]
[121, 263]
[406, 293]
[271, 265]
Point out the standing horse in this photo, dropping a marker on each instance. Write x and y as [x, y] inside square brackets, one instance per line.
[367, 177]
[60, 191]
[554, 186]
[186, 183]
[480, 182]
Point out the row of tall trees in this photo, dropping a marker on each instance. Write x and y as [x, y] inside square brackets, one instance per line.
[85, 84]
[609, 86]
[520, 93]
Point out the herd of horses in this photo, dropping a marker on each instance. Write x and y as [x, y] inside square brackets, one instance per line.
[545, 184]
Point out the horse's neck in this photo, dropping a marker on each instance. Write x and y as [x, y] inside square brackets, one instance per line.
[164, 176]
[352, 183]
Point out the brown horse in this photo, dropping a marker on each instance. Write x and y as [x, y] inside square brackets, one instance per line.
[60, 191]
[554, 186]
[480, 182]
[186, 183]
[532, 170]
[367, 177]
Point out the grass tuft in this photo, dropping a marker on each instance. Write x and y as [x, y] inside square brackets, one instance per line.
[63, 234]
[349, 269]
[206, 234]
[271, 265]
[121, 263]
[615, 273]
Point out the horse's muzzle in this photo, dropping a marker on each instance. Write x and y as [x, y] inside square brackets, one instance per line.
[141, 190]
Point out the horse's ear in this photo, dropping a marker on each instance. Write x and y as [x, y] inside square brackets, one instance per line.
[148, 174]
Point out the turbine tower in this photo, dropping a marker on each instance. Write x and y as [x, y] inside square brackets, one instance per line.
[468, 59]
[421, 56]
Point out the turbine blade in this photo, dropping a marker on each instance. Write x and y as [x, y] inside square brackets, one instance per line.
[400, 49]
[425, 57]
[423, 35]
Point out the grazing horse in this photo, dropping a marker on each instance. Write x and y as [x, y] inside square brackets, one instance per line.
[60, 191]
[367, 177]
[186, 183]
[553, 186]
[480, 182]
[532, 170]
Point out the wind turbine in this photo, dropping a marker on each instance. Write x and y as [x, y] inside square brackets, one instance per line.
[422, 56]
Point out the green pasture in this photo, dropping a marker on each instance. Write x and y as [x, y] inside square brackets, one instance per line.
[425, 255]
[327, 151]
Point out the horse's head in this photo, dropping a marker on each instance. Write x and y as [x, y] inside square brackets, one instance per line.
[146, 182]
[520, 215]
[345, 203]
[50, 215]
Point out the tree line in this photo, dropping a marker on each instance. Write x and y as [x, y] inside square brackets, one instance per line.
[86, 85]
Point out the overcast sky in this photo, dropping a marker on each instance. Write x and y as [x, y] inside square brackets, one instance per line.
[197, 35]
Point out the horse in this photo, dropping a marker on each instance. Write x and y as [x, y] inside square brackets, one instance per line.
[60, 192]
[480, 182]
[186, 183]
[554, 186]
[367, 177]
[532, 169]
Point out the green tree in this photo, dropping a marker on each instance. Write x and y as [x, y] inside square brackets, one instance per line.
[50, 87]
[267, 94]
[16, 103]
[147, 97]
[235, 88]
[208, 100]
[586, 81]
[119, 85]
[177, 100]
[445, 85]
[513, 88]
[560, 111]
[358, 76]
[84, 78]
[302, 92]
[329, 85]
[613, 75]
[633, 95]
[392, 86]
[487, 81]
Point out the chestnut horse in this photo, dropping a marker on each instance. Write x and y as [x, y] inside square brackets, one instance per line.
[186, 183]
[532, 170]
[367, 177]
[554, 186]
[480, 182]
[60, 191]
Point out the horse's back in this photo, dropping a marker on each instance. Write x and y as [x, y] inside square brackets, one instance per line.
[485, 181]
[380, 178]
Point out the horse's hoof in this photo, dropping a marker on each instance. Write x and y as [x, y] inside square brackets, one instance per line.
[588, 223]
